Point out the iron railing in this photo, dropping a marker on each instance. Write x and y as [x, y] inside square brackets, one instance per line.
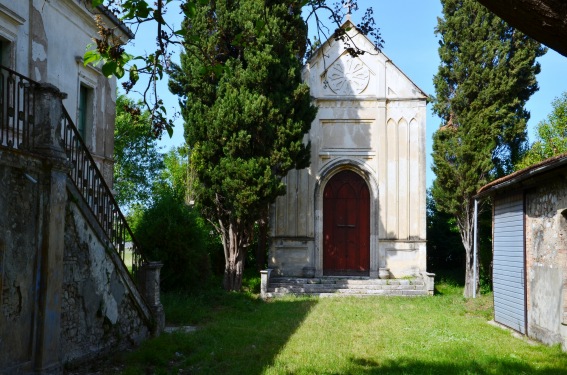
[17, 108]
[88, 179]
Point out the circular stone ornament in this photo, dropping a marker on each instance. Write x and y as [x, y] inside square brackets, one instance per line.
[348, 76]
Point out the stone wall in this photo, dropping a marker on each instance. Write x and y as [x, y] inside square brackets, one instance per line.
[65, 294]
[100, 312]
[19, 222]
[546, 262]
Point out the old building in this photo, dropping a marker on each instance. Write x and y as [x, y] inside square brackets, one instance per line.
[359, 209]
[530, 250]
[46, 41]
[65, 293]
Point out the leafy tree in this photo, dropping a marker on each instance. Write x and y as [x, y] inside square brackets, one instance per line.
[174, 233]
[246, 113]
[551, 138]
[487, 74]
[176, 176]
[171, 230]
[444, 246]
[137, 160]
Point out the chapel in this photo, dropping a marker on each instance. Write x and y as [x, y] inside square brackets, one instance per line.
[359, 209]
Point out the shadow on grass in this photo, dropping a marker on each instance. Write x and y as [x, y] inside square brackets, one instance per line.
[237, 334]
[449, 281]
[408, 366]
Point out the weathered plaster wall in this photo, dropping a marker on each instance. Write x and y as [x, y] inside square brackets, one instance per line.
[47, 42]
[546, 262]
[64, 294]
[19, 221]
[96, 307]
[99, 313]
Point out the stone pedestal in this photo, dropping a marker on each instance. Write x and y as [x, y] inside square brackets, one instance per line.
[149, 284]
[47, 117]
[308, 272]
[264, 282]
[384, 273]
[429, 280]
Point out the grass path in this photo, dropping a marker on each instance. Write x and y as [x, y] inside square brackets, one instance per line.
[240, 334]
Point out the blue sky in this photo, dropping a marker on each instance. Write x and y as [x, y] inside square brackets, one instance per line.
[407, 26]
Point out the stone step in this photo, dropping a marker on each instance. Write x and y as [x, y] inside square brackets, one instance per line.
[342, 281]
[318, 287]
[349, 292]
[345, 286]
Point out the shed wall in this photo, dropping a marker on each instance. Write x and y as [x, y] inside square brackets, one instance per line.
[546, 261]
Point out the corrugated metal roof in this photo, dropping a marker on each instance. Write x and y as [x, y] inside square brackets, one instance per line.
[534, 170]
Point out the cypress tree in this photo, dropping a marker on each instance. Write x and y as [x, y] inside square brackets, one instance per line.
[246, 112]
[487, 74]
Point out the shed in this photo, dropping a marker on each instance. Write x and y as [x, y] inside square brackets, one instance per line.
[529, 225]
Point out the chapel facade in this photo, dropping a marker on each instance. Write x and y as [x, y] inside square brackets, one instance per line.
[359, 209]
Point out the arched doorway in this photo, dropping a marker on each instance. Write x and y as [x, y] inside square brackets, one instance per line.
[346, 225]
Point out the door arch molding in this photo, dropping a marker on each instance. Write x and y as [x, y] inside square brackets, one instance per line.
[325, 174]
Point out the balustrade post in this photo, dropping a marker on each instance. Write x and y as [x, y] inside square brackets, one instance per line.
[47, 121]
[47, 144]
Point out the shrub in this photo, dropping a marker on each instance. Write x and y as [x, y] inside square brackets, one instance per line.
[172, 232]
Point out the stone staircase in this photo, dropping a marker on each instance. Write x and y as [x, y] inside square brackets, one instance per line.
[328, 286]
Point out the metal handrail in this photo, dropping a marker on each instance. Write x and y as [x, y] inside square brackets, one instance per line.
[88, 179]
[17, 107]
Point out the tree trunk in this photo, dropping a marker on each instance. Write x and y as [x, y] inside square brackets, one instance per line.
[262, 240]
[466, 227]
[543, 20]
[233, 271]
[471, 282]
[235, 241]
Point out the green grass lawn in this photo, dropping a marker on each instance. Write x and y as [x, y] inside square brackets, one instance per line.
[241, 334]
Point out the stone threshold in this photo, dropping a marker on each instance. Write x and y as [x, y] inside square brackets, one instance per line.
[328, 286]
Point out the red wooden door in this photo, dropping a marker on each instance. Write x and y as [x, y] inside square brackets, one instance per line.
[346, 225]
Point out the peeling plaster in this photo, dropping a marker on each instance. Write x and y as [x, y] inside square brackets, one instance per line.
[38, 52]
[37, 75]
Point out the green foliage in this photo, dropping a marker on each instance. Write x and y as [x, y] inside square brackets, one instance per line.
[551, 138]
[171, 231]
[487, 74]
[245, 108]
[445, 252]
[444, 246]
[137, 160]
[175, 234]
[244, 125]
[175, 177]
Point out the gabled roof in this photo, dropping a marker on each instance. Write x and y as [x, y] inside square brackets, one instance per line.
[348, 24]
[536, 170]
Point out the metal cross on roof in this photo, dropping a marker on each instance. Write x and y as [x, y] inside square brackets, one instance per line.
[348, 5]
